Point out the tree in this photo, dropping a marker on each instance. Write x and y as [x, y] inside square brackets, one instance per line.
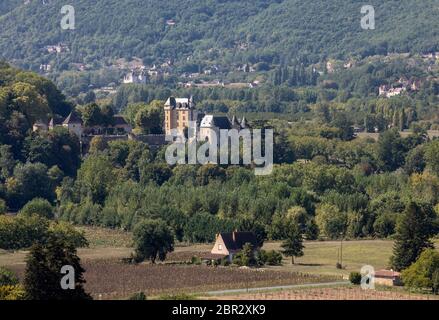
[89, 97]
[68, 232]
[30, 180]
[149, 118]
[156, 172]
[413, 233]
[57, 147]
[95, 177]
[424, 273]
[7, 162]
[153, 239]
[22, 232]
[98, 144]
[414, 161]
[38, 206]
[3, 207]
[331, 221]
[246, 257]
[43, 275]
[344, 126]
[391, 150]
[293, 244]
[283, 153]
[432, 156]
[107, 114]
[92, 115]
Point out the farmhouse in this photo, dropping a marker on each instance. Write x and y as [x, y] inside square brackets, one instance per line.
[387, 278]
[228, 244]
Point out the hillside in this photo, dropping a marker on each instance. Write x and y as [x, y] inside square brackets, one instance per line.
[206, 32]
[9, 5]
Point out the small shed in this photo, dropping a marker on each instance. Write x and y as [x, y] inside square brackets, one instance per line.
[387, 278]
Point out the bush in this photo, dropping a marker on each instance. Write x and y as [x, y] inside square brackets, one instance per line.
[14, 292]
[225, 262]
[196, 260]
[271, 258]
[179, 296]
[355, 278]
[138, 296]
[7, 278]
[21, 232]
[38, 206]
[245, 257]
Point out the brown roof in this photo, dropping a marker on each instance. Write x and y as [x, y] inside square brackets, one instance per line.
[386, 274]
[119, 121]
[236, 240]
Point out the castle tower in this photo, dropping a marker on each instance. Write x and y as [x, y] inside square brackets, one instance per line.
[178, 113]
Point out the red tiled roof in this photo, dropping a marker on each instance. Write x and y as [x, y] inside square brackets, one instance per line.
[386, 274]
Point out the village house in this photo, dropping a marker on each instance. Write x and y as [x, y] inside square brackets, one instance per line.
[228, 244]
[74, 124]
[386, 91]
[135, 77]
[401, 86]
[59, 48]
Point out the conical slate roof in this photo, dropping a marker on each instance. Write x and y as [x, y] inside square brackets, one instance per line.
[235, 121]
[244, 123]
[73, 117]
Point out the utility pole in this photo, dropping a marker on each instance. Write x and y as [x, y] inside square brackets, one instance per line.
[341, 251]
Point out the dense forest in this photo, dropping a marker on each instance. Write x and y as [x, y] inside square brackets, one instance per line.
[212, 32]
[325, 179]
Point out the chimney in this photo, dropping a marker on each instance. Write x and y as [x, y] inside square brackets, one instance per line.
[234, 235]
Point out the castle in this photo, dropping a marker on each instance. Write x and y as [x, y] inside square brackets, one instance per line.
[179, 112]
